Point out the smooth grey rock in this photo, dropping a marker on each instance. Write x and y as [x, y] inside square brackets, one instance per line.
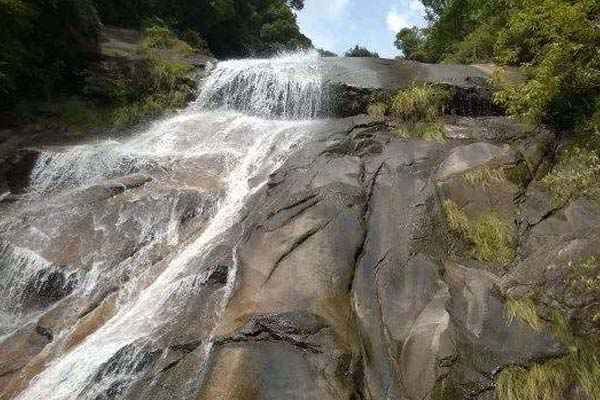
[463, 158]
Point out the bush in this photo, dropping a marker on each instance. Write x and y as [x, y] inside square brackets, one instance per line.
[358, 51]
[556, 42]
[577, 173]
[196, 41]
[422, 102]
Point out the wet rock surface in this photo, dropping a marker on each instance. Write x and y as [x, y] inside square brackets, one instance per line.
[340, 278]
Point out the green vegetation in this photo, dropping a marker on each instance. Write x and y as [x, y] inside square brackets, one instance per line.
[420, 102]
[484, 176]
[577, 173]
[122, 94]
[555, 42]
[49, 48]
[377, 110]
[358, 51]
[433, 131]
[456, 217]
[493, 238]
[550, 379]
[326, 53]
[489, 234]
[524, 310]
[547, 381]
[44, 46]
[416, 111]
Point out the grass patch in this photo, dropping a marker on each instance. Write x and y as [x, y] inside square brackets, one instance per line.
[484, 176]
[490, 235]
[492, 239]
[550, 380]
[577, 173]
[431, 131]
[415, 112]
[456, 217]
[377, 110]
[523, 310]
[422, 102]
[547, 381]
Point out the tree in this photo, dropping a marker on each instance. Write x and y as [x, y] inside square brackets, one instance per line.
[410, 42]
[358, 51]
[326, 53]
[555, 42]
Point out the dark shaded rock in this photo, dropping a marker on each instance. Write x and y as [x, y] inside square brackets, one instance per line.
[486, 342]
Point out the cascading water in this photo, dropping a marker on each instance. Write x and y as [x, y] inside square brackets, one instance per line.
[290, 86]
[250, 148]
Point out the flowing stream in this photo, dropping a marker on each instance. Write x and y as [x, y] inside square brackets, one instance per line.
[250, 114]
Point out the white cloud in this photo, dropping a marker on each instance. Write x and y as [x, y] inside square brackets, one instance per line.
[416, 6]
[395, 21]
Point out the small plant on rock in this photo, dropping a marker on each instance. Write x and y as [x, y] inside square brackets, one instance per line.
[490, 234]
[377, 110]
[484, 176]
[551, 379]
[420, 103]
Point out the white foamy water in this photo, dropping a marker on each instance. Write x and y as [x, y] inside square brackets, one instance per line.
[253, 147]
[290, 86]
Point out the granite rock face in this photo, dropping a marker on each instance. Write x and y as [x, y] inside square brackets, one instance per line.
[339, 278]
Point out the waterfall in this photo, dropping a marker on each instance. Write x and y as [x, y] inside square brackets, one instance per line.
[290, 86]
[242, 97]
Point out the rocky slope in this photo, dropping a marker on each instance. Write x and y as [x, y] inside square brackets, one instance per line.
[346, 275]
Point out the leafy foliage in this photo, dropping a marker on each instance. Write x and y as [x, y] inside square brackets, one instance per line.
[359, 51]
[232, 28]
[419, 103]
[577, 173]
[555, 42]
[46, 46]
[326, 53]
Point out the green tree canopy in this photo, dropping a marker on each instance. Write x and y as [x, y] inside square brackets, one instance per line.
[556, 42]
[359, 51]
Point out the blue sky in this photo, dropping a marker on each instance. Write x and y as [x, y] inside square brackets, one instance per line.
[337, 25]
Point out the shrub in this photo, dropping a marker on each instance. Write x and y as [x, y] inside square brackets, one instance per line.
[577, 173]
[358, 51]
[423, 102]
[196, 41]
[477, 47]
[555, 41]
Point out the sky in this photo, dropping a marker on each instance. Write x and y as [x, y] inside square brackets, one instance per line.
[338, 25]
